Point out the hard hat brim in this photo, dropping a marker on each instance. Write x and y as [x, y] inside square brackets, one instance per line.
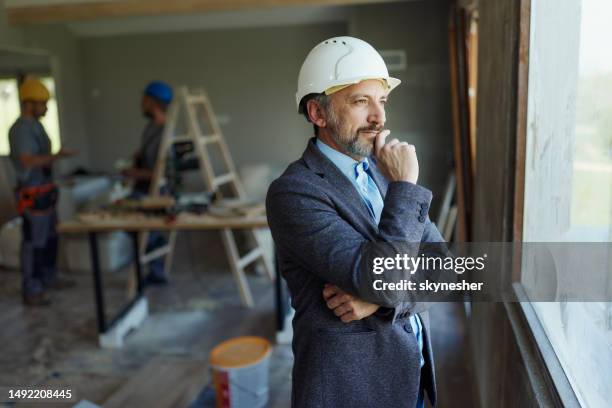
[391, 83]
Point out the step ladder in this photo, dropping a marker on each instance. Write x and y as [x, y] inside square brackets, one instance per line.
[189, 101]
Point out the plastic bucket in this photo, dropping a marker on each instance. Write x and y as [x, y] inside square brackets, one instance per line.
[240, 372]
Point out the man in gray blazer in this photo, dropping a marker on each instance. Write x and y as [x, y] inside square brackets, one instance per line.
[353, 346]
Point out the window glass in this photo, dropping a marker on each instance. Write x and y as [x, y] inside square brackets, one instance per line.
[568, 174]
[9, 111]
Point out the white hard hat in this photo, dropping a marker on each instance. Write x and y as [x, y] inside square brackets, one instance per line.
[340, 61]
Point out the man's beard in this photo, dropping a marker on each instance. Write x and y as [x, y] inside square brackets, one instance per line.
[351, 143]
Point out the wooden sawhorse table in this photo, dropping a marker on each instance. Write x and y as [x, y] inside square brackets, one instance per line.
[112, 331]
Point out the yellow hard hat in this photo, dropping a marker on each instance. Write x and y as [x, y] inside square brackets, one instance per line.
[33, 90]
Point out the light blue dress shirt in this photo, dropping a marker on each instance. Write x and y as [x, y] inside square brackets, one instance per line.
[359, 175]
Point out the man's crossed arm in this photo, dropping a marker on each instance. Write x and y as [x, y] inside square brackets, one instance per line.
[346, 306]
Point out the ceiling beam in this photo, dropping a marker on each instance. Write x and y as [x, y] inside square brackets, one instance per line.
[54, 11]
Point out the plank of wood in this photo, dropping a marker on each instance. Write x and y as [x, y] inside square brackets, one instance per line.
[88, 10]
[184, 221]
[236, 207]
[461, 235]
[163, 383]
[521, 134]
[150, 202]
[472, 68]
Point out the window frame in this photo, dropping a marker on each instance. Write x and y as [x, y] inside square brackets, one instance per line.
[544, 368]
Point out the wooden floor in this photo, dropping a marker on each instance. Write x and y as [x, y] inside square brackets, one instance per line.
[57, 346]
[454, 374]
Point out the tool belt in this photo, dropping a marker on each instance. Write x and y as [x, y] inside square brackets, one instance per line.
[37, 198]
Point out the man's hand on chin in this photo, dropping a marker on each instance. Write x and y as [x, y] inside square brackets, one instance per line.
[347, 307]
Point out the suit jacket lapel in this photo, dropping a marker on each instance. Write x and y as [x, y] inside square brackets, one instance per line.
[321, 165]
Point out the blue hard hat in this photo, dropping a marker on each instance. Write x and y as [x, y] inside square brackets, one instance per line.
[160, 91]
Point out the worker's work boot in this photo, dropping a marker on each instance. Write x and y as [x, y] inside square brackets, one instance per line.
[36, 300]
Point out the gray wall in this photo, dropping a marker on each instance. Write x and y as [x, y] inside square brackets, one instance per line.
[249, 74]
[63, 48]
[10, 37]
[419, 110]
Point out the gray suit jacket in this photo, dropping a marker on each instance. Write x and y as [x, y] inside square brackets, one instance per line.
[320, 224]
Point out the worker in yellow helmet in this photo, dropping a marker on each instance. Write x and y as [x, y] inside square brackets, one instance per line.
[30, 154]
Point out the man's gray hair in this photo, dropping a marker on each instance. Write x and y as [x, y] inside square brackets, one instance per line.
[324, 102]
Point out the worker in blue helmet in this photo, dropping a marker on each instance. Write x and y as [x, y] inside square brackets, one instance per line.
[154, 103]
[159, 91]
[156, 98]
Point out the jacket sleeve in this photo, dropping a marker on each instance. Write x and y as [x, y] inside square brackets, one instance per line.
[305, 224]
[437, 248]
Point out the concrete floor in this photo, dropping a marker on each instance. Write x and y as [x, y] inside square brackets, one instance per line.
[196, 311]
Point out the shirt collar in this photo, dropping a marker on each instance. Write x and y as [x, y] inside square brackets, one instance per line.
[345, 163]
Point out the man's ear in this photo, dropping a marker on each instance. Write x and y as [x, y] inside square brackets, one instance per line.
[316, 114]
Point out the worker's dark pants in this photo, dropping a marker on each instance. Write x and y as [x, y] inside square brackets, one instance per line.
[156, 240]
[156, 266]
[38, 251]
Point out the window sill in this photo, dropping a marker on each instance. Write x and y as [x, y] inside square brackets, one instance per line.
[547, 377]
